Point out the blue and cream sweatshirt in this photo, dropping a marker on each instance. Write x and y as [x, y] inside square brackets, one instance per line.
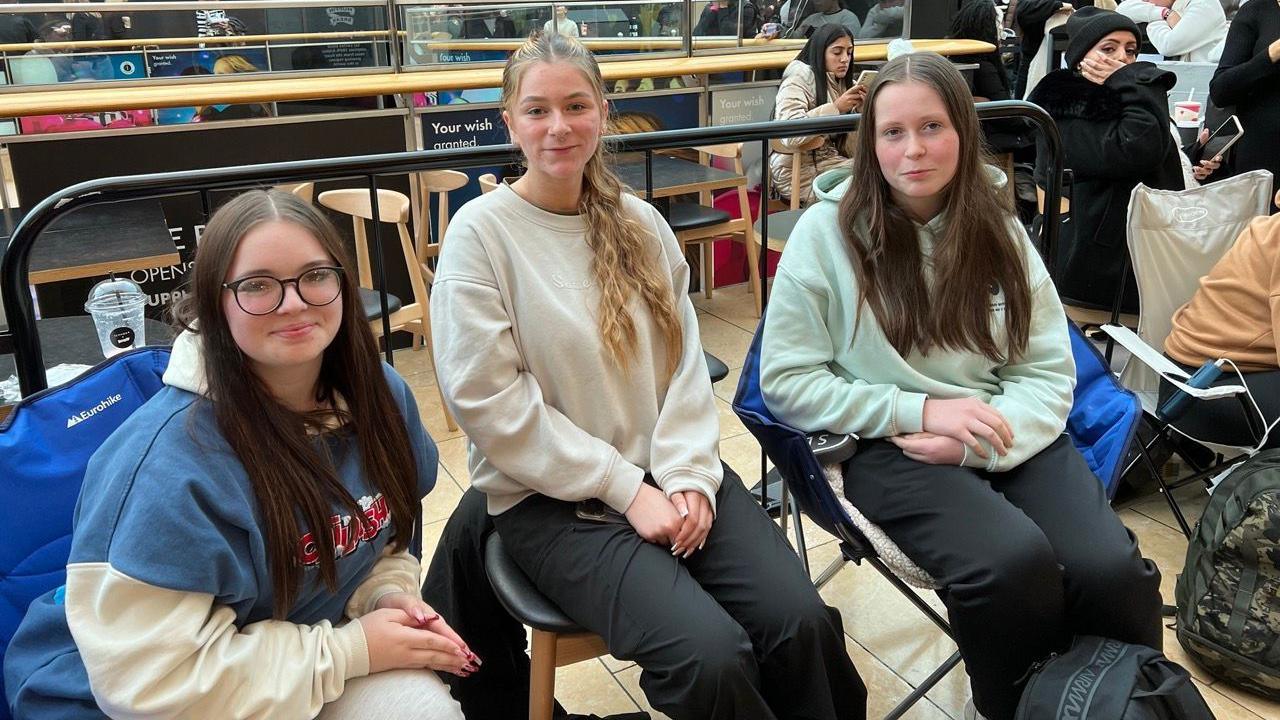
[816, 373]
[167, 608]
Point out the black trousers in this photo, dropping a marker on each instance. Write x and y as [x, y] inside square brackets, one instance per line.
[735, 631]
[1026, 558]
[1226, 420]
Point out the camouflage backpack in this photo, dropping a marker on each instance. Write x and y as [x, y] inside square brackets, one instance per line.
[1229, 592]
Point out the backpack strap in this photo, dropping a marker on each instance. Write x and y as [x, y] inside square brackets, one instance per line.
[1248, 583]
[1175, 691]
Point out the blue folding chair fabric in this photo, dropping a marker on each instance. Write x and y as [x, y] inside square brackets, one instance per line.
[1104, 414]
[45, 446]
[789, 450]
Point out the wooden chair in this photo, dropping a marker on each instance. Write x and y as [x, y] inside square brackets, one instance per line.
[783, 222]
[441, 183]
[797, 190]
[703, 224]
[488, 182]
[393, 207]
[304, 190]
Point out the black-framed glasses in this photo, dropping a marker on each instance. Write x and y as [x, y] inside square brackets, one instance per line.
[264, 294]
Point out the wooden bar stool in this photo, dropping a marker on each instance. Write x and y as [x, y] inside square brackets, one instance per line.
[304, 190]
[393, 207]
[702, 224]
[488, 182]
[557, 640]
[440, 183]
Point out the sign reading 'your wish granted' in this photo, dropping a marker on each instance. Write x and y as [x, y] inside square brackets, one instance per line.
[463, 128]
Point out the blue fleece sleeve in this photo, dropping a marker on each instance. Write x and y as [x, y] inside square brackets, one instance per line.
[425, 453]
[161, 503]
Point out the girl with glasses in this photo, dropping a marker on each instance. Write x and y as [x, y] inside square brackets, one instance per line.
[242, 542]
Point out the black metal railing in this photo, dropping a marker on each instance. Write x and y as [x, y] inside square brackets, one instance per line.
[21, 337]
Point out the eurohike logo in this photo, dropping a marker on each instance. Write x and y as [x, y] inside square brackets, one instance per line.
[86, 414]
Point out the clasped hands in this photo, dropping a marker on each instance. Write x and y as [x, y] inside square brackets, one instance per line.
[403, 632]
[681, 521]
[951, 426]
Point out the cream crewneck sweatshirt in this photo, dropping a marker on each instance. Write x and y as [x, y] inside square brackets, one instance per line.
[526, 375]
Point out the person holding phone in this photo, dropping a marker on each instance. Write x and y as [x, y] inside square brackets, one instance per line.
[591, 384]
[816, 84]
[1196, 167]
[1113, 116]
[1248, 77]
[910, 308]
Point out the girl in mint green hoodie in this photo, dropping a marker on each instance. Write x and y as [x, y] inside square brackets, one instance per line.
[911, 309]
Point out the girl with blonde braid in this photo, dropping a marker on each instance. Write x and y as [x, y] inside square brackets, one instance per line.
[567, 349]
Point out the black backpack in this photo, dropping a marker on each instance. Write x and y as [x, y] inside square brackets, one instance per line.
[1228, 595]
[1105, 679]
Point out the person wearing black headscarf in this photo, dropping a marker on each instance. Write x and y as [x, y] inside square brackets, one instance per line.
[1113, 116]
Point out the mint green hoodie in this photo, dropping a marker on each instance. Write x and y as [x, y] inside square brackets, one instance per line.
[817, 375]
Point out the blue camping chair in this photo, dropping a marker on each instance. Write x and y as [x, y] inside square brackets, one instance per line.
[1103, 421]
[45, 446]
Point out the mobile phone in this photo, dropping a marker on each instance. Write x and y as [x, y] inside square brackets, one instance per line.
[1223, 138]
[595, 510]
[865, 77]
[1176, 404]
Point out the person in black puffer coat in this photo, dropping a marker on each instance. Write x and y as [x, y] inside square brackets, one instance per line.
[1112, 113]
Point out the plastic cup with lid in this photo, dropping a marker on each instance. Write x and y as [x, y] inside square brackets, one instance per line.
[117, 306]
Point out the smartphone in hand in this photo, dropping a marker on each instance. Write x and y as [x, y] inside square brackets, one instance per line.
[865, 77]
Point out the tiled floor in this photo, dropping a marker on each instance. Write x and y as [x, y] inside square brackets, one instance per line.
[893, 645]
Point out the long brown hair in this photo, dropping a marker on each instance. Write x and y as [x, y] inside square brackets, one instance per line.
[976, 253]
[291, 477]
[621, 259]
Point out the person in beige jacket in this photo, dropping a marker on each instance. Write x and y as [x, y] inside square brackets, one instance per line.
[1234, 315]
[830, 48]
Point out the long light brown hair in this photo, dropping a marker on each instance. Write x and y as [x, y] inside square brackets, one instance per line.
[976, 252]
[622, 260]
[292, 477]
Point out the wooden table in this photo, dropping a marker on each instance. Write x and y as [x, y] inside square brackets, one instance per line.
[74, 340]
[98, 239]
[275, 88]
[674, 176]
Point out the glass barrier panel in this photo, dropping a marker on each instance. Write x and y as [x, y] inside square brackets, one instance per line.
[436, 35]
[53, 48]
[865, 19]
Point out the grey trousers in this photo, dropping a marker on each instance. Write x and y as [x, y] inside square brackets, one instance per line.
[735, 631]
[1026, 558]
